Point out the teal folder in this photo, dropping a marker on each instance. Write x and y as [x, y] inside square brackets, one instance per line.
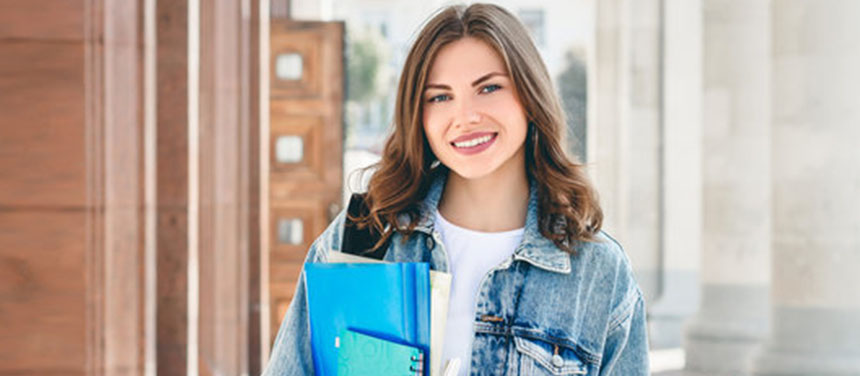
[362, 355]
[389, 301]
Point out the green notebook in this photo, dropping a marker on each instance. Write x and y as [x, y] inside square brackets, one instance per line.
[360, 354]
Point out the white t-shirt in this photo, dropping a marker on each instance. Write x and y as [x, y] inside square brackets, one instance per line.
[471, 254]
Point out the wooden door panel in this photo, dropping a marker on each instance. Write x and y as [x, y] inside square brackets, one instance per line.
[40, 139]
[298, 40]
[44, 20]
[43, 306]
[295, 225]
[305, 143]
[307, 129]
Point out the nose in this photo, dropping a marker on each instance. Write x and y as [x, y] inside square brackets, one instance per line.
[466, 114]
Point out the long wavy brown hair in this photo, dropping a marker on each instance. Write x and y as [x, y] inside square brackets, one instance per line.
[568, 207]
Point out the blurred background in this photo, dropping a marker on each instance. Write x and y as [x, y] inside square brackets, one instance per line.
[165, 164]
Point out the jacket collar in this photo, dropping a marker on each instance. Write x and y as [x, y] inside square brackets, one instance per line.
[534, 248]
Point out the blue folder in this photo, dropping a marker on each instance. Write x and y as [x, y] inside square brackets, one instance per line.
[361, 355]
[389, 301]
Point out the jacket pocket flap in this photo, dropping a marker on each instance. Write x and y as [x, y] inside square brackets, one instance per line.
[557, 360]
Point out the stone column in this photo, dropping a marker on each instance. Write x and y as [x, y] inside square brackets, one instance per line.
[608, 108]
[642, 238]
[682, 168]
[645, 148]
[625, 136]
[816, 190]
[732, 319]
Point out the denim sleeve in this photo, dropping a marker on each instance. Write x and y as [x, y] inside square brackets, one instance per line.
[291, 353]
[626, 348]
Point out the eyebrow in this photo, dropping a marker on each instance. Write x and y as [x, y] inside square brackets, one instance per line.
[474, 83]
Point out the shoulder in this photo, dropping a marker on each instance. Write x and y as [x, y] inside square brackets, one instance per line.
[329, 240]
[605, 253]
[609, 265]
[613, 259]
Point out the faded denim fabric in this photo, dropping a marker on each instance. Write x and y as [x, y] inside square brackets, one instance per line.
[541, 312]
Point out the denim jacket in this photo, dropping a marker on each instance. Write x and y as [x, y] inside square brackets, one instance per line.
[541, 312]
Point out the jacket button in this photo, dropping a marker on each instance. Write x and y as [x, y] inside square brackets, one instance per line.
[429, 242]
[557, 361]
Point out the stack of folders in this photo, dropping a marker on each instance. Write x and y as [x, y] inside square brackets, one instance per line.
[440, 291]
[369, 319]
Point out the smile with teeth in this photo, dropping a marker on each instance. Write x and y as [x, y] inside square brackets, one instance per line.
[473, 142]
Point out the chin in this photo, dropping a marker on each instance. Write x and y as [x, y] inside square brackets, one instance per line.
[476, 171]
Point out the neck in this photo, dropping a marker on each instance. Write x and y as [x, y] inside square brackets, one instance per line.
[491, 203]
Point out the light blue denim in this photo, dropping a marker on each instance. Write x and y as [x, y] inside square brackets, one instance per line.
[541, 312]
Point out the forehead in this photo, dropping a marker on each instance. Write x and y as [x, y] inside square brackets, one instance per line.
[465, 59]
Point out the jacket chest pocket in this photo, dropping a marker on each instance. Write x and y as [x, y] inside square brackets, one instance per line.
[537, 357]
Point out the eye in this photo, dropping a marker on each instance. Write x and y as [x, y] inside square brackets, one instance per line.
[490, 88]
[439, 98]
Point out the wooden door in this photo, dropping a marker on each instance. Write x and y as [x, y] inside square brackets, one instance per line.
[305, 147]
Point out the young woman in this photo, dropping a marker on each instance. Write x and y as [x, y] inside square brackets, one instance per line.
[474, 180]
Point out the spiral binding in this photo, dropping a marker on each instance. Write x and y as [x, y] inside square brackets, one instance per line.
[417, 370]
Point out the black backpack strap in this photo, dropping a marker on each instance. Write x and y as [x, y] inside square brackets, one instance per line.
[360, 241]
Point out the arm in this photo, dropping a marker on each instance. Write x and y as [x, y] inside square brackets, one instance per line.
[626, 348]
[291, 352]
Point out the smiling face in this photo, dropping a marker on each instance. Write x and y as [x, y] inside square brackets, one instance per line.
[472, 117]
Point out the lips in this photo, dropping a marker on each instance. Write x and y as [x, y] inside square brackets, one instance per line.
[471, 137]
[473, 143]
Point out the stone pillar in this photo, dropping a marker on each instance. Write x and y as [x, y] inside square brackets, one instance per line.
[608, 109]
[682, 169]
[624, 136]
[642, 238]
[644, 148]
[816, 190]
[732, 319]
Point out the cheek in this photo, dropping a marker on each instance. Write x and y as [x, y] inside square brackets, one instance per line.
[433, 128]
[432, 137]
[511, 114]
